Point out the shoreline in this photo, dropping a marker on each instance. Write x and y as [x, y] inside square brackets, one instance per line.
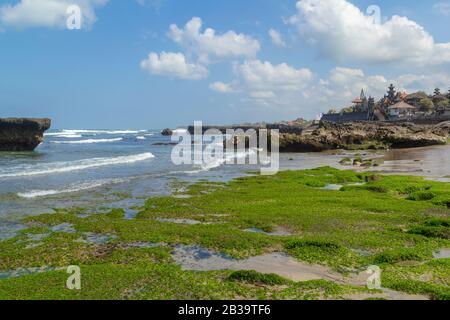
[213, 217]
[414, 161]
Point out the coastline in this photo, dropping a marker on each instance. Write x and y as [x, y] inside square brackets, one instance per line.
[394, 222]
[265, 237]
[129, 191]
[227, 159]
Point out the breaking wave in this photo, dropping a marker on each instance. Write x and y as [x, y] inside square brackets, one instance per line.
[63, 167]
[102, 131]
[216, 163]
[89, 141]
[227, 157]
[74, 188]
[62, 135]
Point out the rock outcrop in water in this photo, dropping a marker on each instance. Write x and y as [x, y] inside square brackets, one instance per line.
[22, 134]
[167, 132]
[365, 135]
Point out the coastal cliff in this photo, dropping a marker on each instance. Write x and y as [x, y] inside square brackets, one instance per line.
[365, 135]
[22, 134]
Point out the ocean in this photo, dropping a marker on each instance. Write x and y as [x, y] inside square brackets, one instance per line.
[90, 167]
[102, 169]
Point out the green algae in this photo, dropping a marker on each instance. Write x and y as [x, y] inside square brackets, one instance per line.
[387, 216]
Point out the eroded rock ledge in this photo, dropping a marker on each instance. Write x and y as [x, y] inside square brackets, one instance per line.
[366, 135]
[22, 134]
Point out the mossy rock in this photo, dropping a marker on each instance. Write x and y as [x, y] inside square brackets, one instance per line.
[254, 277]
[393, 256]
[431, 231]
[422, 196]
[346, 161]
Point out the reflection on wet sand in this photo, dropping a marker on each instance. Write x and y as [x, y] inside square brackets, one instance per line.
[432, 162]
[426, 161]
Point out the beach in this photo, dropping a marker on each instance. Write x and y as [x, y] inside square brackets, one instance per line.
[111, 202]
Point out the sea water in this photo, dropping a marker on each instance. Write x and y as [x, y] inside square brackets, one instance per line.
[101, 169]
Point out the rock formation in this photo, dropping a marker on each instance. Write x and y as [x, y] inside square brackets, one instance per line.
[167, 132]
[442, 128]
[365, 135]
[22, 134]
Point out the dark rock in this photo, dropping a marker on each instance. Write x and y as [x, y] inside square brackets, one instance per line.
[167, 132]
[165, 143]
[22, 134]
[365, 135]
[282, 128]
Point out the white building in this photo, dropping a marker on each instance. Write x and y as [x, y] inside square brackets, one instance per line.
[401, 110]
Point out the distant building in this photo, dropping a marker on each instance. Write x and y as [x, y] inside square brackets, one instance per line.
[414, 99]
[395, 105]
[362, 110]
[400, 110]
[402, 96]
[362, 103]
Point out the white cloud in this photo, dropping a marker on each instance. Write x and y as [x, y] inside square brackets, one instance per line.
[272, 86]
[343, 85]
[262, 94]
[173, 65]
[202, 46]
[262, 75]
[208, 43]
[221, 87]
[155, 4]
[343, 32]
[46, 13]
[284, 91]
[424, 82]
[442, 8]
[442, 53]
[277, 38]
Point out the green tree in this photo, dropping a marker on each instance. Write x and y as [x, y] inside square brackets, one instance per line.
[427, 104]
[444, 104]
[347, 110]
[391, 93]
[437, 92]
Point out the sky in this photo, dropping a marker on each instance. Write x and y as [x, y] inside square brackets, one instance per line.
[167, 63]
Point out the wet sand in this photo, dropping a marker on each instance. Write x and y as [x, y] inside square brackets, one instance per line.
[431, 162]
[195, 258]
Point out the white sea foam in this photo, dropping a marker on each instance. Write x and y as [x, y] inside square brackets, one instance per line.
[179, 131]
[140, 138]
[62, 135]
[207, 166]
[102, 131]
[63, 167]
[89, 141]
[70, 136]
[73, 188]
[227, 157]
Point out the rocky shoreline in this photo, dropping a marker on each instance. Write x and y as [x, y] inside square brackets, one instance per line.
[365, 135]
[357, 135]
[22, 134]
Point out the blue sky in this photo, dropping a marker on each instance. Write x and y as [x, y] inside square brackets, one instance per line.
[267, 59]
